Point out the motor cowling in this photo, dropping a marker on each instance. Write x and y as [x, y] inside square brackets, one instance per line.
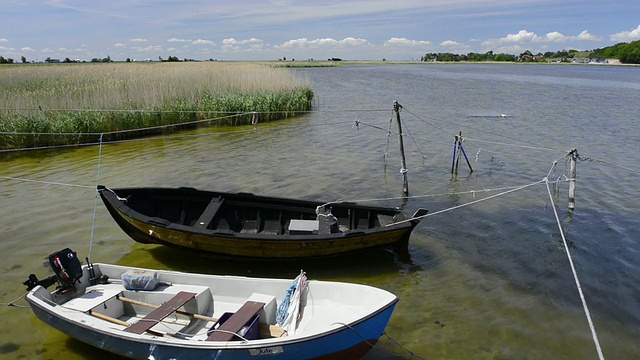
[67, 269]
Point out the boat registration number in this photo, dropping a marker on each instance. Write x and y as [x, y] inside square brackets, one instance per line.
[266, 351]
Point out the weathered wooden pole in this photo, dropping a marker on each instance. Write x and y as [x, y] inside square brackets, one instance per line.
[459, 142]
[403, 170]
[573, 155]
[463, 152]
[455, 150]
[254, 121]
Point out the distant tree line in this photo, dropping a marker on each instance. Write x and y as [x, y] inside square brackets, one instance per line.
[526, 56]
[5, 61]
[626, 53]
[488, 56]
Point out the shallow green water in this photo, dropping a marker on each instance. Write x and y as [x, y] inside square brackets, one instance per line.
[487, 281]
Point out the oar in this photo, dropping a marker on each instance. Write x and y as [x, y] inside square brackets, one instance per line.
[124, 323]
[265, 329]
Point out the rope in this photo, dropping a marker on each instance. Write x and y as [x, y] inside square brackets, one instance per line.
[413, 354]
[374, 346]
[95, 200]
[413, 139]
[159, 138]
[45, 182]
[46, 147]
[129, 130]
[575, 275]
[467, 204]
[514, 145]
[11, 303]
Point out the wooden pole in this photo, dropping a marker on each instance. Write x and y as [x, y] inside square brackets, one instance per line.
[459, 142]
[254, 121]
[573, 154]
[455, 149]
[403, 170]
[464, 153]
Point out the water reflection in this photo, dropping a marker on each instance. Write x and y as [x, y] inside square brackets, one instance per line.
[377, 263]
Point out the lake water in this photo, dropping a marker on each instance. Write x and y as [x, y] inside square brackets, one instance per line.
[488, 280]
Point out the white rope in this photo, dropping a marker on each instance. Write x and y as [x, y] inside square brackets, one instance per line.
[95, 202]
[575, 276]
[374, 346]
[45, 182]
[467, 204]
[12, 303]
[514, 145]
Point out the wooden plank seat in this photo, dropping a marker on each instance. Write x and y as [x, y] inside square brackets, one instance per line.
[160, 313]
[209, 213]
[234, 324]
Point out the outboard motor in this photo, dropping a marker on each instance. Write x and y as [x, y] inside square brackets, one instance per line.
[67, 268]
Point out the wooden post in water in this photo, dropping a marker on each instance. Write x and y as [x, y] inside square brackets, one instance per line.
[403, 170]
[457, 150]
[463, 152]
[573, 154]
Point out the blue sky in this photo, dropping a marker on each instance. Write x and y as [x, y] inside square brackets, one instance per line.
[301, 30]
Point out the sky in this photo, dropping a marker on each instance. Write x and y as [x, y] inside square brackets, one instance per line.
[311, 29]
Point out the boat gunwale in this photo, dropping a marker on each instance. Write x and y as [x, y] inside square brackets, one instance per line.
[46, 306]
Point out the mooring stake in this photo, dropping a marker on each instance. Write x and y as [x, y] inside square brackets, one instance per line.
[573, 155]
[403, 170]
[457, 150]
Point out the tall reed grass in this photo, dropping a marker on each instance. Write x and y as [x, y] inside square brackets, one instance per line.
[110, 99]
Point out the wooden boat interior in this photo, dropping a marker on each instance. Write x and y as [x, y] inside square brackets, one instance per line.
[254, 217]
[180, 311]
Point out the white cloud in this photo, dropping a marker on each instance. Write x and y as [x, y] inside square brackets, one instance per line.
[148, 48]
[406, 42]
[450, 43]
[626, 36]
[586, 36]
[3, 40]
[28, 49]
[325, 43]
[521, 36]
[556, 37]
[138, 40]
[232, 41]
[524, 36]
[456, 47]
[203, 42]
[512, 49]
[179, 40]
[120, 45]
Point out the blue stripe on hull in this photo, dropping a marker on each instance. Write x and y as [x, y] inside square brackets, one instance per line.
[333, 346]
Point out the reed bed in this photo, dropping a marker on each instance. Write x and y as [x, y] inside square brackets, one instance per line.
[59, 104]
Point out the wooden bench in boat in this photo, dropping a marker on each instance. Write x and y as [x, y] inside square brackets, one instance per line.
[209, 213]
[234, 324]
[160, 313]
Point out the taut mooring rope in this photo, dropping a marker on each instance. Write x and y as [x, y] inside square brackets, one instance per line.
[95, 200]
[575, 276]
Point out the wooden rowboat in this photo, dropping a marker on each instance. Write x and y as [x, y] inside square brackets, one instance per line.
[147, 314]
[251, 226]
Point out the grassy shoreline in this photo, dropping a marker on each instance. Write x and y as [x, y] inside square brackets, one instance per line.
[66, 104]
